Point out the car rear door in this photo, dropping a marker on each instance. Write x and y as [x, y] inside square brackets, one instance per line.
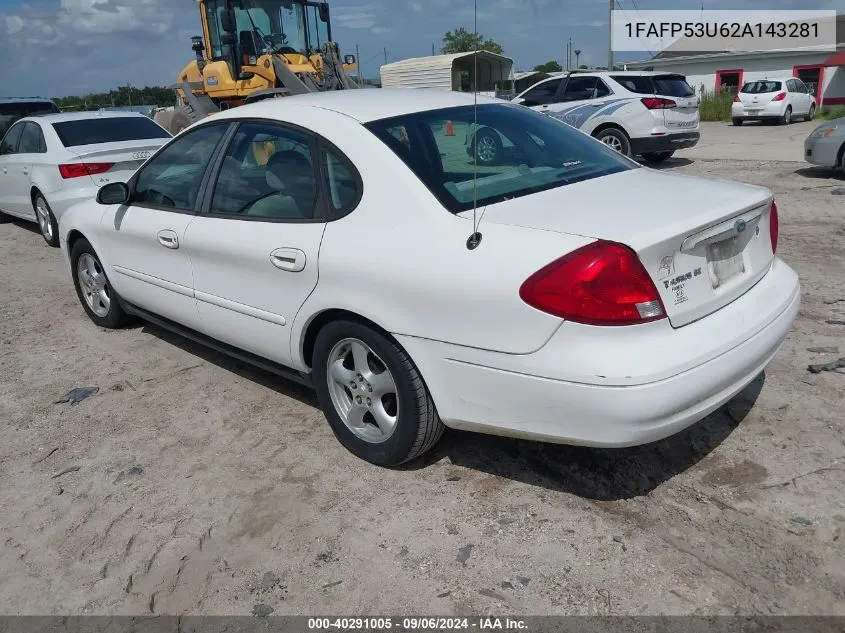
[144, 239]
[10, 173]
[684, 117]
[255, 245]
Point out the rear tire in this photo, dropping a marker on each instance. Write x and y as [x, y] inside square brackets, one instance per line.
[99, 300]
[394, 419]
[736, 121]
[657, 157]
[812, 113]
[786, 119]
[46, 220]
[615, 139]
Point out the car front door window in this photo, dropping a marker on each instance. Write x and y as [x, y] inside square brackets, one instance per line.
[172, 178]
[579, 89]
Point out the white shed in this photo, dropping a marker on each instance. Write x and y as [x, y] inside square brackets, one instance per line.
[450, 72]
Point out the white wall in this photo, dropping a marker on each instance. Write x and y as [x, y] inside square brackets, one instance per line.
[704, 71]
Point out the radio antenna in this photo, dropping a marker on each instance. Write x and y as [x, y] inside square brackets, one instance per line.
[475, 239]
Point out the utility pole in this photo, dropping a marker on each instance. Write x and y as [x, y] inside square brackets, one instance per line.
[432, 50]
[358, 66]
[385, 55]
[610, 36]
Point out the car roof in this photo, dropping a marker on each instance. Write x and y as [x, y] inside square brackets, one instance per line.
[79, 116]
[363, 105]
[5, 100]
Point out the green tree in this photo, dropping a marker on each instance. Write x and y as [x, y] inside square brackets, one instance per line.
[462, 41]
[549, 67]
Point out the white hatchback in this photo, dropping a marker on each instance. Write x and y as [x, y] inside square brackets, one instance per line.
[644, 114]
[775, 100]
[50, 162]
[346, 240]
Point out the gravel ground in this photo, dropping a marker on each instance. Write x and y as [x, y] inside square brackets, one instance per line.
[191, 483]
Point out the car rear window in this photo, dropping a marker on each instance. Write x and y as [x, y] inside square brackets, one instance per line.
[532, 152]
[761, 87]
[11, 112]
[672, 86]
[641, 84]
[107, 130]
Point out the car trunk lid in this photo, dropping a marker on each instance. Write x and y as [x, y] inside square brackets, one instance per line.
[704, 243]
[125, 158]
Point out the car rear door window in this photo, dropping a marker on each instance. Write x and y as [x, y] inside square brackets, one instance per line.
[602, 90]
[543, 93]
[172, 178]
[267, 172]
[342, 183]
[640, 84]
[32, 140]
[107, 130]
[11, 140]
[579, 88]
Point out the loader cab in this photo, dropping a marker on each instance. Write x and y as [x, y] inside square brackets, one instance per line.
[243, 30]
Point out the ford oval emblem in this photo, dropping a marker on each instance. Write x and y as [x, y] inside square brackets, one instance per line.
[740, 226]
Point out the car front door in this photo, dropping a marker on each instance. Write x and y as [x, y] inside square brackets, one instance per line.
[145, 238]
[580, 99]
[13, 183]
[542, 95]
[255, 245]
[805, 93]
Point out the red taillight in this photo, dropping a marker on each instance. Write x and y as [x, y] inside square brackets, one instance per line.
[658, 103]
[76, 170]
[773, 226]
[736, 99]
[779, 96]
[602, 283]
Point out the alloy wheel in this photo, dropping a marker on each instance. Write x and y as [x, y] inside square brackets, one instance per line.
[362, 390]
[93, 284]
[43, 214]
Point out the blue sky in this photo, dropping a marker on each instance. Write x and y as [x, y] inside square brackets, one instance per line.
[62, 47]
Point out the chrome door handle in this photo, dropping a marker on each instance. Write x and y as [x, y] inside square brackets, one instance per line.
[26, 172]
[168, 239]
[289, 259]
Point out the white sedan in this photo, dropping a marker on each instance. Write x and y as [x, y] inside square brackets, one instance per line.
[49, 163]
[331, 238]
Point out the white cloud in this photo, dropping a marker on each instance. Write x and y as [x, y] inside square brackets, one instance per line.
[14, 24]
[355, 17]
[415, 7]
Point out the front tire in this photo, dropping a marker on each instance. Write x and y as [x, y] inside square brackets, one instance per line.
[615, 139]
[100, 301]
[373, 395]
[657, 157]
[46, 220]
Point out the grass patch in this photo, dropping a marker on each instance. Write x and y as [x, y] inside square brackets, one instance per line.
[716, 106]
[828, 112]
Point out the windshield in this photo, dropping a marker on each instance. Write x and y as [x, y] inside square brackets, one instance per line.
[11, 112]
[760, 87]
[263, 26]
[520, 152]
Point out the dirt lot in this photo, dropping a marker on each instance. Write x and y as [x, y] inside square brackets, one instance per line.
[202, 485]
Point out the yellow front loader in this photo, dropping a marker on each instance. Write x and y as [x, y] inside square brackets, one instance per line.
[257, 49]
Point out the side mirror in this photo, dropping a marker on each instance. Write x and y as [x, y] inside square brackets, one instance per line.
[324, 12]
[113, 193]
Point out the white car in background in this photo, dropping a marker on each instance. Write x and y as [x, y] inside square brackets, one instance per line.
[330, 237]
[644, 114]
[774, 100]
[50, 162]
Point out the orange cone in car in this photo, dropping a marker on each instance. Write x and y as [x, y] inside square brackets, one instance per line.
[450, 129]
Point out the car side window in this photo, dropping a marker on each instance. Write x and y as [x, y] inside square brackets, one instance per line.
[172, 178]
[790, 85]
[602, 90]
[543, 93]
[9, 144]
[267, 172]
[579, 88]
[342, 183]
[32, 140]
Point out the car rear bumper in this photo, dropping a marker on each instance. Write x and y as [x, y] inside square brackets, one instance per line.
[613, 387]
[823, 151]
[664, 143]
[771, 110]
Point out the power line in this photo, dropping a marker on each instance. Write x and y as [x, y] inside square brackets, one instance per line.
[629, 19]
